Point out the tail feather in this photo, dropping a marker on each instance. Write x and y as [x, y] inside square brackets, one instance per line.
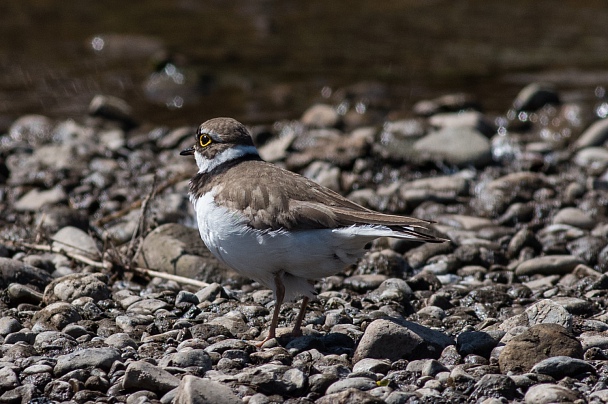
[374, 231]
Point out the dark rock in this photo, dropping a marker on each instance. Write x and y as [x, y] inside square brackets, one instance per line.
[534, 96]
[14, 271]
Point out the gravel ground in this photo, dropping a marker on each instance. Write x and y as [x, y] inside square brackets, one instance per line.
[513, 309]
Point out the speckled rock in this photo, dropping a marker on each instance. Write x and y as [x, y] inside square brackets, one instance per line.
[539, 342]
[393, 340]
[201, 391]
[71, 287]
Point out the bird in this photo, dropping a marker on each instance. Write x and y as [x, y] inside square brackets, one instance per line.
[275, 226]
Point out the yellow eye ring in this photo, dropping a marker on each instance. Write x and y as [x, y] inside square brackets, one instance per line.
[204, 140]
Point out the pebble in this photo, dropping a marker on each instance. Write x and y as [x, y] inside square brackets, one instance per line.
[561, 366]
[534, 96]
[36, 199]
[548, 265]
[76, 241]
[574, 217]
[75, 286]
[545, 393]
[102, 358]
[55, 316]
[595, 135]
[459, 146]
[535, 344]
[195, 390]
[144, 375]
[320, 116]
[9, 325]
[394, 340]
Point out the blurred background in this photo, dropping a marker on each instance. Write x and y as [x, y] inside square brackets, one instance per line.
[181, 62]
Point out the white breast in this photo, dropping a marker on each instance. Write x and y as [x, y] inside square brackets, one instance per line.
[260, 254]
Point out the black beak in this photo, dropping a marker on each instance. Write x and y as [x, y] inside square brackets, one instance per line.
[187, 152]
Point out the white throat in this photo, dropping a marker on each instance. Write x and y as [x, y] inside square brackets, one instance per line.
[206, 165]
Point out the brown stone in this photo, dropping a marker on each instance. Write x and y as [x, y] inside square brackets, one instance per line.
[539, 342]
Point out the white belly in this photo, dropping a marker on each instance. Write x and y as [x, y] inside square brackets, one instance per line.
[297, 255]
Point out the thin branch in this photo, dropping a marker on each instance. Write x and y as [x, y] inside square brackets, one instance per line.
[108, 265]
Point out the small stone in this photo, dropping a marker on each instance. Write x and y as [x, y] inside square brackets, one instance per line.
[591, 157]
[546, 393]
[32, 129]
[144, 375]
[120, 341]
[393, 340]
[73, 240]
[561, 366]
[195, 390]
[58, 391]
[19, 293]
[459, 146]
[9, 325]
[372, 365]
[496, 386]
[534, 96]
[71, 287]
[475, 342]
[102, 358]
[470, 119]
[359, 383]
[198, 358]
[35, 199]
[55, 316]
[113, 108]
[320, 116]
[595, 135]
[574, 217]
[8, 379]
[537, 343]
[349, 396]
[548, 265]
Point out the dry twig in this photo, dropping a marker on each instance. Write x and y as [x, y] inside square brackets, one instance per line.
[104, 264]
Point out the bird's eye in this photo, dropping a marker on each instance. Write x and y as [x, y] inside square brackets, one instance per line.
[204, 140]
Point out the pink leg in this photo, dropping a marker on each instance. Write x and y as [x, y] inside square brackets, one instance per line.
[280, 292]
[297, 328]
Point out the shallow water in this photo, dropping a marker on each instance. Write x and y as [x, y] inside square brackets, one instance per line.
[261, 61]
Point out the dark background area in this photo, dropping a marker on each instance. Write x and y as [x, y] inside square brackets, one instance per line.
[181, 62]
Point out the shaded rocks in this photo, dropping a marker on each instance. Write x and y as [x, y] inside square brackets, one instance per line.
[14, 271]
